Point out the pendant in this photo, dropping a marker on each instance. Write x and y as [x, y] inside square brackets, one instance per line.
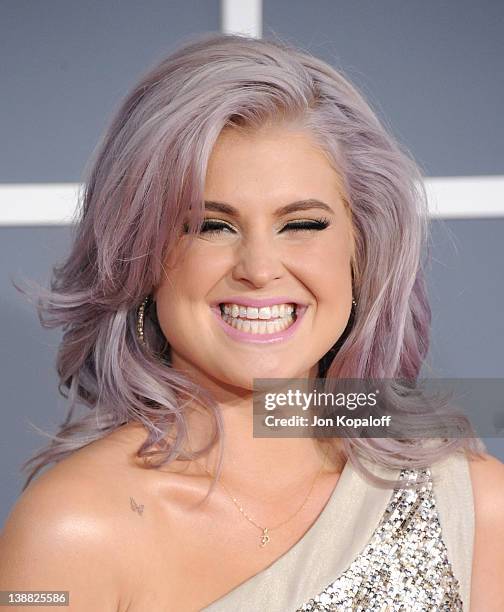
[265, 537]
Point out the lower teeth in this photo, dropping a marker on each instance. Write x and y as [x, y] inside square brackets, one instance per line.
[259, 327]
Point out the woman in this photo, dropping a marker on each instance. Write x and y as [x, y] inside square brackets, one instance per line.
[244, 181]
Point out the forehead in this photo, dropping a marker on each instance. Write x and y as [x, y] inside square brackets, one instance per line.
[275, 164]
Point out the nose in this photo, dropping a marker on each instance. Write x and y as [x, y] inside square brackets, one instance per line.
[258, 260]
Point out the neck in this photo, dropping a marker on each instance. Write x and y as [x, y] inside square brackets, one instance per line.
[263, 463]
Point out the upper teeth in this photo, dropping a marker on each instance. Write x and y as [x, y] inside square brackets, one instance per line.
[265, 312]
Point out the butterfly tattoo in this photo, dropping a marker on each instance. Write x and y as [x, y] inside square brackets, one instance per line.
[136, 507]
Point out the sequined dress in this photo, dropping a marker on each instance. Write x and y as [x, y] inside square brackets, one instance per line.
[375, 550]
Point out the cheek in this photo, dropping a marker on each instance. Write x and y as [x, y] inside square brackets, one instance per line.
[204, 262]
[326, 266]
[188, 277]
[183, 293]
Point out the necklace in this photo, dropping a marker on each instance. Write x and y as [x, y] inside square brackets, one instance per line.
[265, 531]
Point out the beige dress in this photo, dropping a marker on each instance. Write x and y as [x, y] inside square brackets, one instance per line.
[375, 549]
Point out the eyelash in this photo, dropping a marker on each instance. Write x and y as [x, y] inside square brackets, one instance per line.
[295, 226]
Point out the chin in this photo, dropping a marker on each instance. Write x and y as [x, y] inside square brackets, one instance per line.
[247, 381]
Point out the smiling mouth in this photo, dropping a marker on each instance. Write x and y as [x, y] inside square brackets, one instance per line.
[259, 321]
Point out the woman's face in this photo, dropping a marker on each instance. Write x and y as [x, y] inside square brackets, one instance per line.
[254, 253]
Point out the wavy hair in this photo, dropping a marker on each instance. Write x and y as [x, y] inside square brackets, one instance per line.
[146, 177]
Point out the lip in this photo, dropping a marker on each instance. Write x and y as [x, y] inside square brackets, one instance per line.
[242, 336]
[257, 303]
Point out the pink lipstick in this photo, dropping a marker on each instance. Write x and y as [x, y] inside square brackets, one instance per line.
[257, 338]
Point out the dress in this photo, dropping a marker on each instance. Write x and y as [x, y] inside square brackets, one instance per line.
[375, 549]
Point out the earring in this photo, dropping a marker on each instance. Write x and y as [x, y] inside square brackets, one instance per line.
[140, 320]
[141, 313]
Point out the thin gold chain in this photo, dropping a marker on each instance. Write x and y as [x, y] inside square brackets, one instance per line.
[265, 538]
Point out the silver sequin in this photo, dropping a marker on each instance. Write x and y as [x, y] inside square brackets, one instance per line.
[404, 567]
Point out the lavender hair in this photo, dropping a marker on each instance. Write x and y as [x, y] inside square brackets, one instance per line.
[146, 177]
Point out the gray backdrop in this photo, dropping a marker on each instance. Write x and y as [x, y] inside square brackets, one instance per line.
[432, 70]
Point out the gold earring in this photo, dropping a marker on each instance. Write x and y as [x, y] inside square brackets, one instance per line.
[140, 320]
[141, 314]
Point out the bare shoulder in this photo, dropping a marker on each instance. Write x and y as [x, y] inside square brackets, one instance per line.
[64, 533]
[487, 588]
[487, 475]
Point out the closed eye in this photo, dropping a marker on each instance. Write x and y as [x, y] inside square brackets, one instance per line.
[214, 226]
[315, 224]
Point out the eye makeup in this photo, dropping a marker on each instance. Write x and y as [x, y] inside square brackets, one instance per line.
[216, 226]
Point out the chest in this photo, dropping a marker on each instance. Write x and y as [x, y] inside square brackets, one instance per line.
[187, 566]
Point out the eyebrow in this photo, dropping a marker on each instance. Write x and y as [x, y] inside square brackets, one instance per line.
[299, 205]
